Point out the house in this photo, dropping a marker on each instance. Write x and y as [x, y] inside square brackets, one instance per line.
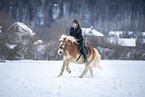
[128, 42]
[117, 37]
[91, 32]
[117, 34]
[21, 29]
[122, 34]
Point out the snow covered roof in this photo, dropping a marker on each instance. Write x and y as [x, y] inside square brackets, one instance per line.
[24, 28]
[130, 32]
[143, 33]
[117, 33]
[127, 42]
[55, 5]
[38, 42]
[10, 46]
[91, 32]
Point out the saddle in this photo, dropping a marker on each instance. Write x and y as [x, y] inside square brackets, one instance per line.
[80, 51]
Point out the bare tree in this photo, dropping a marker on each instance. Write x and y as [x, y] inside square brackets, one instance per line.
[5, 22]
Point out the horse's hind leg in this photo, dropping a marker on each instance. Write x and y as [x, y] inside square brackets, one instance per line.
[91, 70]
[85, 70]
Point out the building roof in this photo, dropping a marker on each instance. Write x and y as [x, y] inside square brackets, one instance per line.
[24, 28]
[38, 42]
[91, 32]
[117, 33]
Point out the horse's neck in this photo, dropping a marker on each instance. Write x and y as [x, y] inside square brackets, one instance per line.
[72, 45]
[75, 44]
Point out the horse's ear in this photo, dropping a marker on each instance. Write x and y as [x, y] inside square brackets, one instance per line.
[65, 38]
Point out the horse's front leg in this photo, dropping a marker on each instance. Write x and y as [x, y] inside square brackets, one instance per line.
[62, 69]
[67, 67]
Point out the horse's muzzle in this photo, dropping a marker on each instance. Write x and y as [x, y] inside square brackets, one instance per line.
[60, 52]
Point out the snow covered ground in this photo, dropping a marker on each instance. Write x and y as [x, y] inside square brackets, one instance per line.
[28, 78]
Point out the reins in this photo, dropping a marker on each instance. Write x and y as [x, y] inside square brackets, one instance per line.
[64, 49]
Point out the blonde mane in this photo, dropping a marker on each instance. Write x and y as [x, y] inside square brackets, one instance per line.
[71, 38]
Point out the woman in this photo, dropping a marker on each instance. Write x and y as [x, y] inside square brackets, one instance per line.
[76, 32]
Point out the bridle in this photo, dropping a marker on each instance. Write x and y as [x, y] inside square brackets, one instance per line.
[66, 46]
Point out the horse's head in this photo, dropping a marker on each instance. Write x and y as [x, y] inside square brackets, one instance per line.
[62, 44]
[65, 43]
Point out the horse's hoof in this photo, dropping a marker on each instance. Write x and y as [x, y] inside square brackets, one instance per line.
[69, 71]
[80, 77]
[58, 75]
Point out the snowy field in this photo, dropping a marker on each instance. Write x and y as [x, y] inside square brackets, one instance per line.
[28, 78]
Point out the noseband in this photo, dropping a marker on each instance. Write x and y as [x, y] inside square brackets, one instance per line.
[66, 46]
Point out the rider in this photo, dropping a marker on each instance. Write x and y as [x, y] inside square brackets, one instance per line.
[76, 32]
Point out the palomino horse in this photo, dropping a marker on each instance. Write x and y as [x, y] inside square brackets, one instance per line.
[68, 47]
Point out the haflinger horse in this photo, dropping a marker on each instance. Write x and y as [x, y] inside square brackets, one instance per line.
[68, 48]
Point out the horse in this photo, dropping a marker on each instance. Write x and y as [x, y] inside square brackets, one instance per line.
[68, 48]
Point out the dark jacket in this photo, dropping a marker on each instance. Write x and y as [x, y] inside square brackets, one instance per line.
[77, 33]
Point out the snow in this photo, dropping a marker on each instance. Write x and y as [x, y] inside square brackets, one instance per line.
[41, 15]
[55, 11]
[0, 29]
[38, 42]
[91, 32]
[10, 46]
[55, 5]
[130, 32]
[28, 78]
[26, 28]
[143, 34]
[112, 40]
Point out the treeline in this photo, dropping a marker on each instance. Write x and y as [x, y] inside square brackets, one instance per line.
[104, 15]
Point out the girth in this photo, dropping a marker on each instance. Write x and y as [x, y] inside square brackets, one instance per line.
[79, 50]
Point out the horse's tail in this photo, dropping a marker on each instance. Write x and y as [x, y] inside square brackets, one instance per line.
[96, 62]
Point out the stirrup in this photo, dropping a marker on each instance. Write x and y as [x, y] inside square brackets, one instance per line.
[85, 61]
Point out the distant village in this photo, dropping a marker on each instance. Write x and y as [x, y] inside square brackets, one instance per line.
[122, 38]
[40, 50]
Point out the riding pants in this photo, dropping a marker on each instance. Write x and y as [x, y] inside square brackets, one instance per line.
[83, 50]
